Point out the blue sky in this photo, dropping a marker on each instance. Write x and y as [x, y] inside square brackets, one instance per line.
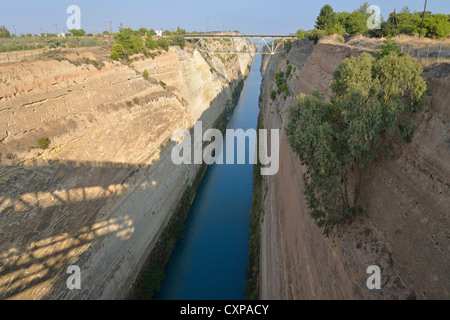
[262, 16]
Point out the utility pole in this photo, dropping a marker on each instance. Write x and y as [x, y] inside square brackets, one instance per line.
[423, 18]
[110, 27]
[14, 27]
[56, 26]
[395, 20]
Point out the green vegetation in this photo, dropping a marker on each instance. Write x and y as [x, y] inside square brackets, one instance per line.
[352, 23]
[4, 33]
[150, 43]
[315, 35]
[131, 43]
[163, 43]
[212, 69]
[253, 275]
[300, 34]
[145, 75]
[30, 42]
[178, 41]
[43, 143]
[273, 94]
[163, 84]
[336, 141]
[136, 100]
[280, 81]
[129, 104]
[288, 45]
[114, 55]
[288, 71]
[78, 33]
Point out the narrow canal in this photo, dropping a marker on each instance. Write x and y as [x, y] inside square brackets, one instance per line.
[210, 261]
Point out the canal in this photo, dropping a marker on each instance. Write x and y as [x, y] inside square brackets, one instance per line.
[210, 261]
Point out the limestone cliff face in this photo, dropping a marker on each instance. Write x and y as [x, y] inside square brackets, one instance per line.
[405, 226]
[99, 196]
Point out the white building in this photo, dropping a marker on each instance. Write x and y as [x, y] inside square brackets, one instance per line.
[159, 33]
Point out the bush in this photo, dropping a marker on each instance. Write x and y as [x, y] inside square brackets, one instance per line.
[4, 33]
[145, 75]
[437, 26]
[300, 34]
[43, 143]
[389, 46]
[114, 55]
[136, 100]
[119, 49]
[315, 35]
[150, 43]
[273, 94]
[179, 41]
[281, 83]
[288, 71]
[163, 43]
[163, 84]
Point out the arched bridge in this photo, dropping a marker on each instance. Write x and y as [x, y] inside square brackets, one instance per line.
[239, 43]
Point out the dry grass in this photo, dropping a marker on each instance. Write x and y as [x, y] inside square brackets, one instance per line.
[425, 48]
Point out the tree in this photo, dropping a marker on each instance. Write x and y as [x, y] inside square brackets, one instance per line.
[77, 33]
[300, 34]
[142, 32]
[150, 43]
[43, 143]
[118, 48]
[178, 41]
[437, 26]
[315, 34]
[180, 31]
[114, 55]
[326, 19]
[163, 43]
[130, 42]
[4, 33]
[337, 140]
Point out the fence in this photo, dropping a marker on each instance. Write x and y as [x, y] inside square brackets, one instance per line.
[431, 52]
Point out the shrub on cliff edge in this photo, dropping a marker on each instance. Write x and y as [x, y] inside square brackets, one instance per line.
[43, 143]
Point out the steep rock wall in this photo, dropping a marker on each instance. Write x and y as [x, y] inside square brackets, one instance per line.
[103, 191]
[405, 226]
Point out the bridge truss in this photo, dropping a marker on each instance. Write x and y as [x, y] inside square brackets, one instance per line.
[239, 44]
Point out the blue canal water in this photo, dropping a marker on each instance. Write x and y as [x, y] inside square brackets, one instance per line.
[210, 261]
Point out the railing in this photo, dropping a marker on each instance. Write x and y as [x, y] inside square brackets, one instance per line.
[431, 52]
